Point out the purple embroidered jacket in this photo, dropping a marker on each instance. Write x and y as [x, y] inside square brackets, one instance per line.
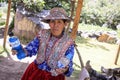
[32, 49]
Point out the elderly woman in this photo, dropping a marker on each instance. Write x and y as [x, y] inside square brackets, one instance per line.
[54, 50]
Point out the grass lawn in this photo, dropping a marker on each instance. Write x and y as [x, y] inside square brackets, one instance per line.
[4, 52]
[99, 53]
[1, 49]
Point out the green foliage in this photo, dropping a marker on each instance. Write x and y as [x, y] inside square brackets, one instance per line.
[99, 12]
[38, 5]
[0, 15]
[1, 0]
[118, 33]
[58, 3]
[30, 5]
[2, 23]
[11, 26]
[34, 5]
[3, 10]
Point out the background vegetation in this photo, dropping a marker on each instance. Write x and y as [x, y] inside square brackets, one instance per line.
[101, 12]
[97, 12]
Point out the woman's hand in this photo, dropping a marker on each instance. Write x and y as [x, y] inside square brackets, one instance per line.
[61, 70]
[14, 52]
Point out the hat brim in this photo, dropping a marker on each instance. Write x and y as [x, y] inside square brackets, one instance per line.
[49, 17]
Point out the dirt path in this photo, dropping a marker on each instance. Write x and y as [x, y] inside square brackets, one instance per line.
[10, 69]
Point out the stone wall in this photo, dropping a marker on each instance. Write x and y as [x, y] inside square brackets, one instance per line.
[24, 27]
[27, 24]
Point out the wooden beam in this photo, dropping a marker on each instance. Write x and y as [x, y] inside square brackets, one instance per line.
[117, 56]
[75, 27]
[72, 14]
[79, 56]
[77, 19]
[7, 22]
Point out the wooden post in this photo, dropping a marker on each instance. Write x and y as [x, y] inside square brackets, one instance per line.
[75, 27]
[79, 56]
[118, 52]
[77, 18]
[7, 22]
[72, 13]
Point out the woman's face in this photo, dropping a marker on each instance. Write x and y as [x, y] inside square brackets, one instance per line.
[56, 27]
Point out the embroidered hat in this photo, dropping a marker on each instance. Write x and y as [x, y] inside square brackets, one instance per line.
[56, 13]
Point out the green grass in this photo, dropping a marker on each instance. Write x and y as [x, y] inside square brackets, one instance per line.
[92, 27]
[2, 52]
[87, 27]
[99, 53]
[1, 49]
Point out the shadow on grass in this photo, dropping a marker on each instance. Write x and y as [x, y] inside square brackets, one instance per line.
[97, 45]
[75, 74]
[76, 65]
[77, 69]
[82, 40]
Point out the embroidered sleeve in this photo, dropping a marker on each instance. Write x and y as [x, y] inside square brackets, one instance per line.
[69, 54]
[32, 47]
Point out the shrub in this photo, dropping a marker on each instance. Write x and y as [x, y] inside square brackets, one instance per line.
[99, 12]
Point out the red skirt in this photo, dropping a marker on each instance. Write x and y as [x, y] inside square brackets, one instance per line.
[33, 73]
